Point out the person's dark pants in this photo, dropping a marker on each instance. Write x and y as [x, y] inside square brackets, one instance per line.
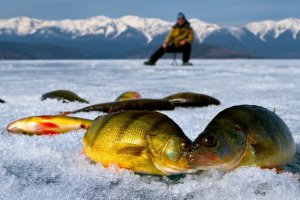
[185, 50]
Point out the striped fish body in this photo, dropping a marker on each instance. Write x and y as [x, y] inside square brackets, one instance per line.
[48, 125]
[190, 99]
[63, 95]
[141, 141]
[135, 104]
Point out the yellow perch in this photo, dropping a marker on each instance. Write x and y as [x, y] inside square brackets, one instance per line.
[48, 125]
[129, 95]
[65, 96]
[151, 143]
[190, 99]
[143, 141]
[245, 135]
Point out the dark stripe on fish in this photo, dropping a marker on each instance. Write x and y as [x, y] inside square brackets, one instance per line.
[157, 124]
[134, 117]
[104, 122]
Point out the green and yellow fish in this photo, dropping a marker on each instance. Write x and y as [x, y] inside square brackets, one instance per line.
[129, 95]
[244, 135]
[133, 104]
[48, 125]
[190, 99]
[152, 143]
[142, 141]
[63, 95]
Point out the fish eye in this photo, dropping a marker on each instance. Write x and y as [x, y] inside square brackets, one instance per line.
[183, 145]
[210, 141]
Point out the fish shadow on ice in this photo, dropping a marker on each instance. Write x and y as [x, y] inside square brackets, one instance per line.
[294, 166]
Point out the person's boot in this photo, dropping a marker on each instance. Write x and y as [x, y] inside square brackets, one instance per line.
[187, 64]
[149, 63]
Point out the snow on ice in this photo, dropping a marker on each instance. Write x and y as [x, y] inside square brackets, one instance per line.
[55, 167]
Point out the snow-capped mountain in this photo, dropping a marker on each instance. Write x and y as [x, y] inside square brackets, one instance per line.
[129, 35]
[100, 25]
[150, 27]
[274, 28]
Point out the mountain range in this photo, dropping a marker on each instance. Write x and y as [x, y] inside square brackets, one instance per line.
[136, 37]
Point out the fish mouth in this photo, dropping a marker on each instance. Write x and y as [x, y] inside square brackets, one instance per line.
[12, 128]
[201, 161]
[211, 161]
[215, 101]
[173, 169]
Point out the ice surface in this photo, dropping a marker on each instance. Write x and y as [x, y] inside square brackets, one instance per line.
[55, 168]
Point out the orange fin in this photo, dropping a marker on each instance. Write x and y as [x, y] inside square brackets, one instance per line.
[278, 169]
[47, 132]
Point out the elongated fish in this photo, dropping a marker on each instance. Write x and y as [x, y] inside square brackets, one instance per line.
[142, 141]
[245, 135]
[129, 95]
[48, 125]
[135, 104]
[63, 95]
[190, 99]
[2, 101]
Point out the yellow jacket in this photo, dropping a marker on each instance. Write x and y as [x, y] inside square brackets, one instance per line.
[178, 33]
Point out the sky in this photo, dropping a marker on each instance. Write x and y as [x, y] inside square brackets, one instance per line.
[223, 12]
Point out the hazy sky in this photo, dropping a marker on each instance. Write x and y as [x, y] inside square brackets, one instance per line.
[225, 12]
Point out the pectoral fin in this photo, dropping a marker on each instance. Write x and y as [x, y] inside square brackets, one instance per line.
[127, 148]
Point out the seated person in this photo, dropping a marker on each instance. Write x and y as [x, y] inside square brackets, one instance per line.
[179, 39]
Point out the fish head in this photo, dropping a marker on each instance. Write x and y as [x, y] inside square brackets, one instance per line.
[169, 153]
[30, 125]
[174, 148]
[21, 126]
[221, 146]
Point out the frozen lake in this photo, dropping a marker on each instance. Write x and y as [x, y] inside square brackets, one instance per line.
[55, 168]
